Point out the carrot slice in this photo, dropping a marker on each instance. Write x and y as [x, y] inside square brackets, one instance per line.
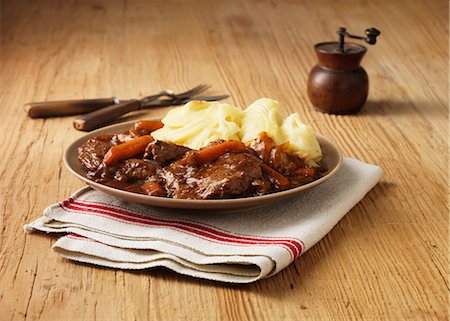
[210, 154]
[147, 125]
[278, 179]
[126, 150]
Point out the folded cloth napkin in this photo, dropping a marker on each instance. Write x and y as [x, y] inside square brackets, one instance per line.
[231, 247]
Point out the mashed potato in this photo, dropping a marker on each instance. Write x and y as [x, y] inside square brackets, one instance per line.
[198, 123]
[262, 116]
[302, 139]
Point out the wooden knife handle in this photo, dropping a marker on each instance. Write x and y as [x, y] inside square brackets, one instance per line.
[105, 115]
[66, 107]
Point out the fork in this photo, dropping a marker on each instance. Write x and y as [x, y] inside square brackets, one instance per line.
[108, 114]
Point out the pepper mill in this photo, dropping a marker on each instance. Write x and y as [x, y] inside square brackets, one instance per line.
[338, 84]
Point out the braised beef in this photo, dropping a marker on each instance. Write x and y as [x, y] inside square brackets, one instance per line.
[163, 152]
[262, 146]
[123, 137]
[230, 175]
[278, 157]
[261, 186]
[134, 169]
[154, 186]
[92, 152]
[170, 170]
[284, 162]
[179, 180]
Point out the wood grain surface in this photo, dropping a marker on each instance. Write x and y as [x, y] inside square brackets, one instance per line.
[388, 257]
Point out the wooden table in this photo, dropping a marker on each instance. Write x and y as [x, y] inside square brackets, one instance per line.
[386, 260]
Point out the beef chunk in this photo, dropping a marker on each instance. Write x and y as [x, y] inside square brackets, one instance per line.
[92, 152]
[163, 152]
[128, 170]
[134, 169]
[278, 157]
[284, 162]
[262, 146]
[230, 175]
[262, 186]
[123, 137]
[154, 186]
[179, 180]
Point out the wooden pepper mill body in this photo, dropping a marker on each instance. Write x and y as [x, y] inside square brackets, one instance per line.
[338, 84]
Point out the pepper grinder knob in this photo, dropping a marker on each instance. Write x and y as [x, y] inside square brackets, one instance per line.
[371, 36]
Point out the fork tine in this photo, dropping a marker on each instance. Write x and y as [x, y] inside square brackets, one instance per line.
[196, 90]
[186, 94]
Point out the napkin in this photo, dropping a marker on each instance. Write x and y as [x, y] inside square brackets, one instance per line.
[238, 247]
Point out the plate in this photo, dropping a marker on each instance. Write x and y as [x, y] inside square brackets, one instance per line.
[332, 159]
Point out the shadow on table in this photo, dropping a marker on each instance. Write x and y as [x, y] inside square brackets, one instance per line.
[391, 107]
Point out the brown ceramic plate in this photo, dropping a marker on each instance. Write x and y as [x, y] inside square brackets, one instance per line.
[332, 160]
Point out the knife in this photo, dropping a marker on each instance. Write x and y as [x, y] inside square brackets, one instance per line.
[106, 115]
[43, 109]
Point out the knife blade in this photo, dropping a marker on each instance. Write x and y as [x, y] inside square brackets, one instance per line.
[171, 102]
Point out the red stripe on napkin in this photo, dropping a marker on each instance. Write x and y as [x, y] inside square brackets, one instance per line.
[76, 236]
[294, 246]
[80, 237]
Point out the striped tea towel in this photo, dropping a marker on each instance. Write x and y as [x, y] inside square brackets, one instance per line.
[236, 247]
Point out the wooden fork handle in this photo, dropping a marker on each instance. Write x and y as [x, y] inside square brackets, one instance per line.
[67, 107]
[105, 115]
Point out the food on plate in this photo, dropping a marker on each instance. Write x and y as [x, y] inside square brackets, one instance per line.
[198, 123]
[207, 151]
